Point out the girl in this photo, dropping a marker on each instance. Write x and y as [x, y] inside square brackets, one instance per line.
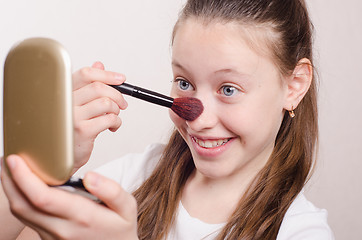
[236, 172]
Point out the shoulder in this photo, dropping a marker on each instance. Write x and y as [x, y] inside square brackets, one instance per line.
[305, 221]
[131, 170]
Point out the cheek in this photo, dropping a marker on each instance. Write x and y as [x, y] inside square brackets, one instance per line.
[179, 124]
[251, 121]
[174, 93]
[177, 121]
[242, 122]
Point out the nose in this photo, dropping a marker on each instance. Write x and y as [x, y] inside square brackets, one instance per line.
[208, 118]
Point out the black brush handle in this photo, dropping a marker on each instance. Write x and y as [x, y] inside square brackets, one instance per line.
[144, 94]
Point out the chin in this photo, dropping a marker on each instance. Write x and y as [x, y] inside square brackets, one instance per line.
[212, 169]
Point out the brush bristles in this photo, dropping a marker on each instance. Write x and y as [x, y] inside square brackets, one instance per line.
[187, 108]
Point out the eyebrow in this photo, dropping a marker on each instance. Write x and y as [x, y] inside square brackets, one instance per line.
[220, 71]
[231, 71]
[176, 64]
[182, 68]
[224, 70]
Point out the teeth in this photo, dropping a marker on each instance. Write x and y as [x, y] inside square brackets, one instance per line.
[211, 143]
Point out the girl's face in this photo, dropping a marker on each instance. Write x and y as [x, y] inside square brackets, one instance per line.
[243, 96]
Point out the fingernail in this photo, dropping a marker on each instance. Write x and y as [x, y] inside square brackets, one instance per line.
[124, 105]
[11, 162]
[120, 77]
[92, 180]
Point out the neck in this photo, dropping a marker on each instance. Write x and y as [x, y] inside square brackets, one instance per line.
[222, 196]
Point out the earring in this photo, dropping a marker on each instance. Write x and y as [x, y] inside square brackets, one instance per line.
[291, 113]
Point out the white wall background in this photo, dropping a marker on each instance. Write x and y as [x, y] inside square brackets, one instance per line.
[133, 37]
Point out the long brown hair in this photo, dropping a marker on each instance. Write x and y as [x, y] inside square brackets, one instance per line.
[261, 210]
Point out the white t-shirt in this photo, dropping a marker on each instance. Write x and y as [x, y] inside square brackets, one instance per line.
[302, 220]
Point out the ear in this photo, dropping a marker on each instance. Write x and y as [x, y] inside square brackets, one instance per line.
[298, 83]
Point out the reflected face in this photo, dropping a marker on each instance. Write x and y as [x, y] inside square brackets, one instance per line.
[242, 93]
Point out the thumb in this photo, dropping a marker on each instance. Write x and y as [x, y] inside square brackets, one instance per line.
[112, 195]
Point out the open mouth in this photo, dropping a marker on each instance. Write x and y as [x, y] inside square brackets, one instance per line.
[211, 143]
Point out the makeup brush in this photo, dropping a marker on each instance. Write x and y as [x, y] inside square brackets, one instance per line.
[187, 108]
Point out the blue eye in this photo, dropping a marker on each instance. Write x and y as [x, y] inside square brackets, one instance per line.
[183, 84]
[229, 91]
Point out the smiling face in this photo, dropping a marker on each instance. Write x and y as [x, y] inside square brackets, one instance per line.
[243, 96]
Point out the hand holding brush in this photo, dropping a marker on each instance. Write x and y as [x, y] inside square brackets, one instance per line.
[187, 108]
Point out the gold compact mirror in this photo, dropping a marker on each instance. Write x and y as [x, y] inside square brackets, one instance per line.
[37, 111]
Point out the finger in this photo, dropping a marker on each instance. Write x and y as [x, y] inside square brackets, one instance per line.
[17, 201]
[21, 207]
[45, 235]
[6, 217]
[54, 213]
[92, 127]
[96, 90]
[38, 195]
[87, 75]
[98, 65]
[23, 187]
[34, 231]
[96, 108]
[10, 188]
[112, 195]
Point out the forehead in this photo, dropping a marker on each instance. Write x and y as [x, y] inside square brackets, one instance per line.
[216, 45]
[260, 38]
